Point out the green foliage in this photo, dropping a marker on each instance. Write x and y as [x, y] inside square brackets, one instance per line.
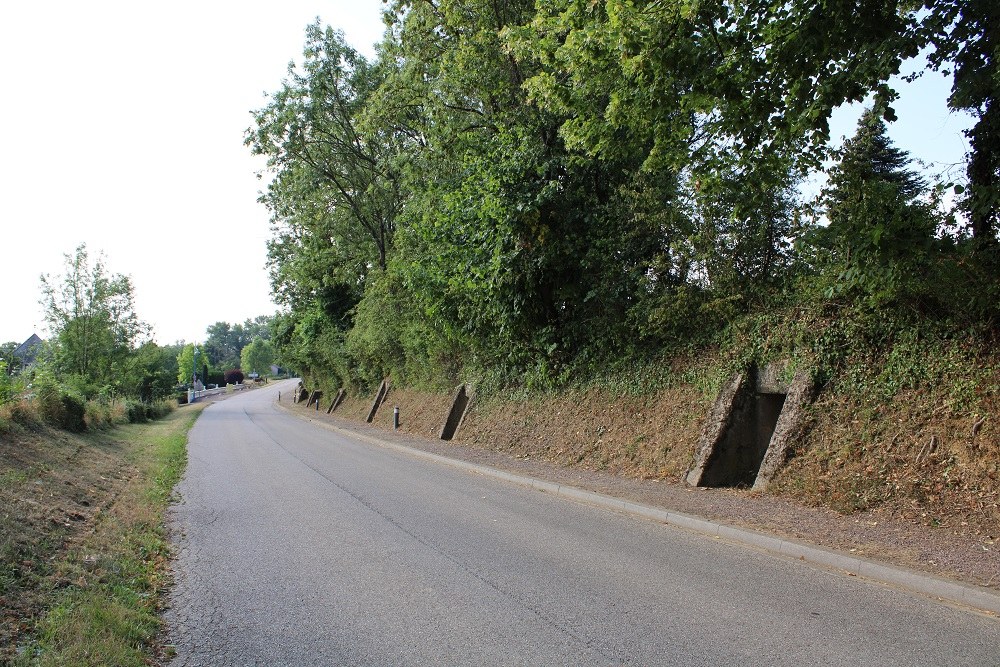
[153, 373]
[392, 337]
[92, 318]
[257, 357]
[225, 342]
[335, 186]
[529, 194]
[965, 42]
[11, 386]
[887, 240]
[11, 363]
[186, 359]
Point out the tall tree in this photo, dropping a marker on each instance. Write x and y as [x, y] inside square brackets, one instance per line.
[644, 81]
[526, 250]
[188, 359]
[92, 317]
[224, 342]
[257, 357]
[869, 157]
[333, 180]
[966, 40]
[881, 233]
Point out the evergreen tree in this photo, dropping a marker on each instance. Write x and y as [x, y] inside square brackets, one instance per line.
[880, 234]
[867, 159]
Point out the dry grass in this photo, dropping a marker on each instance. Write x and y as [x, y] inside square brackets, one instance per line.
[82, 548]
[912, 457]
[650, 436]
[918, 457]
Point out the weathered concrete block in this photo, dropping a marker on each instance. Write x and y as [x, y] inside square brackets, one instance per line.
[314, 397]
[771, 379]
[731, 402]
[337, 400]
[301, 395]
[800, 394]
[379, 397]
[459, 406]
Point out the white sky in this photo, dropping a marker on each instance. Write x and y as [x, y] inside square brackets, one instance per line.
[122, 126]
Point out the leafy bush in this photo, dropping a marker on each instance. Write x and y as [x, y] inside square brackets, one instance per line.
[95, 416]
[104, 413]
[73, 414]
[234, 376]
[11, 386]
[393, 336]
[46, 393]
[20, 413]
[136, 411]
[142, 411]
[161, 408]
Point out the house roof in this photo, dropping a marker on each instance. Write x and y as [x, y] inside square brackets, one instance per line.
[27, 350]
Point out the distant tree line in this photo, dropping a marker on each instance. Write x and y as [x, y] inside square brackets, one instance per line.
[100, 365]
[229, 347]
[529, 190]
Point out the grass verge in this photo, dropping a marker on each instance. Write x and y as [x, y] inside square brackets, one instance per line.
[99, 596]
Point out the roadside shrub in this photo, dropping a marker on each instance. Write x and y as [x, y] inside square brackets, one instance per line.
[96, 416]
[160, 409]
[102, 414]
[73, 414]
[11, 386]
[142, 411]
[234, 376]
[55, 405]
[136, 411]
[117, 412]
[48, 397]
[18, 414]
[23, 413]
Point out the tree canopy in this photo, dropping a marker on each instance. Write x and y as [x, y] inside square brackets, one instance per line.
[91, 316]
[534, 189]
[257, 357]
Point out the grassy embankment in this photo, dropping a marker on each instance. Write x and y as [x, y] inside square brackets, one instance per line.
[83, 548]
[905, 422]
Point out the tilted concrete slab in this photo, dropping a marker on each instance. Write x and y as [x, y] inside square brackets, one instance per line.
[456, 415]
[337, 400]
[379, 397]
[788, 429]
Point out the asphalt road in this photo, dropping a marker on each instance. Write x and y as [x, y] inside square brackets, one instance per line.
[298, 546]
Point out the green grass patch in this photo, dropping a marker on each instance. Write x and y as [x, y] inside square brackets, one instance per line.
[106, 588]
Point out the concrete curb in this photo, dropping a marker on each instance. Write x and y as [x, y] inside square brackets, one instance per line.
[976, 597]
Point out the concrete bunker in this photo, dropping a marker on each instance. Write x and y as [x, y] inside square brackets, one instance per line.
[337, 400]
[750, 427]
[314, 397]
[383, 390]
[459, 406]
